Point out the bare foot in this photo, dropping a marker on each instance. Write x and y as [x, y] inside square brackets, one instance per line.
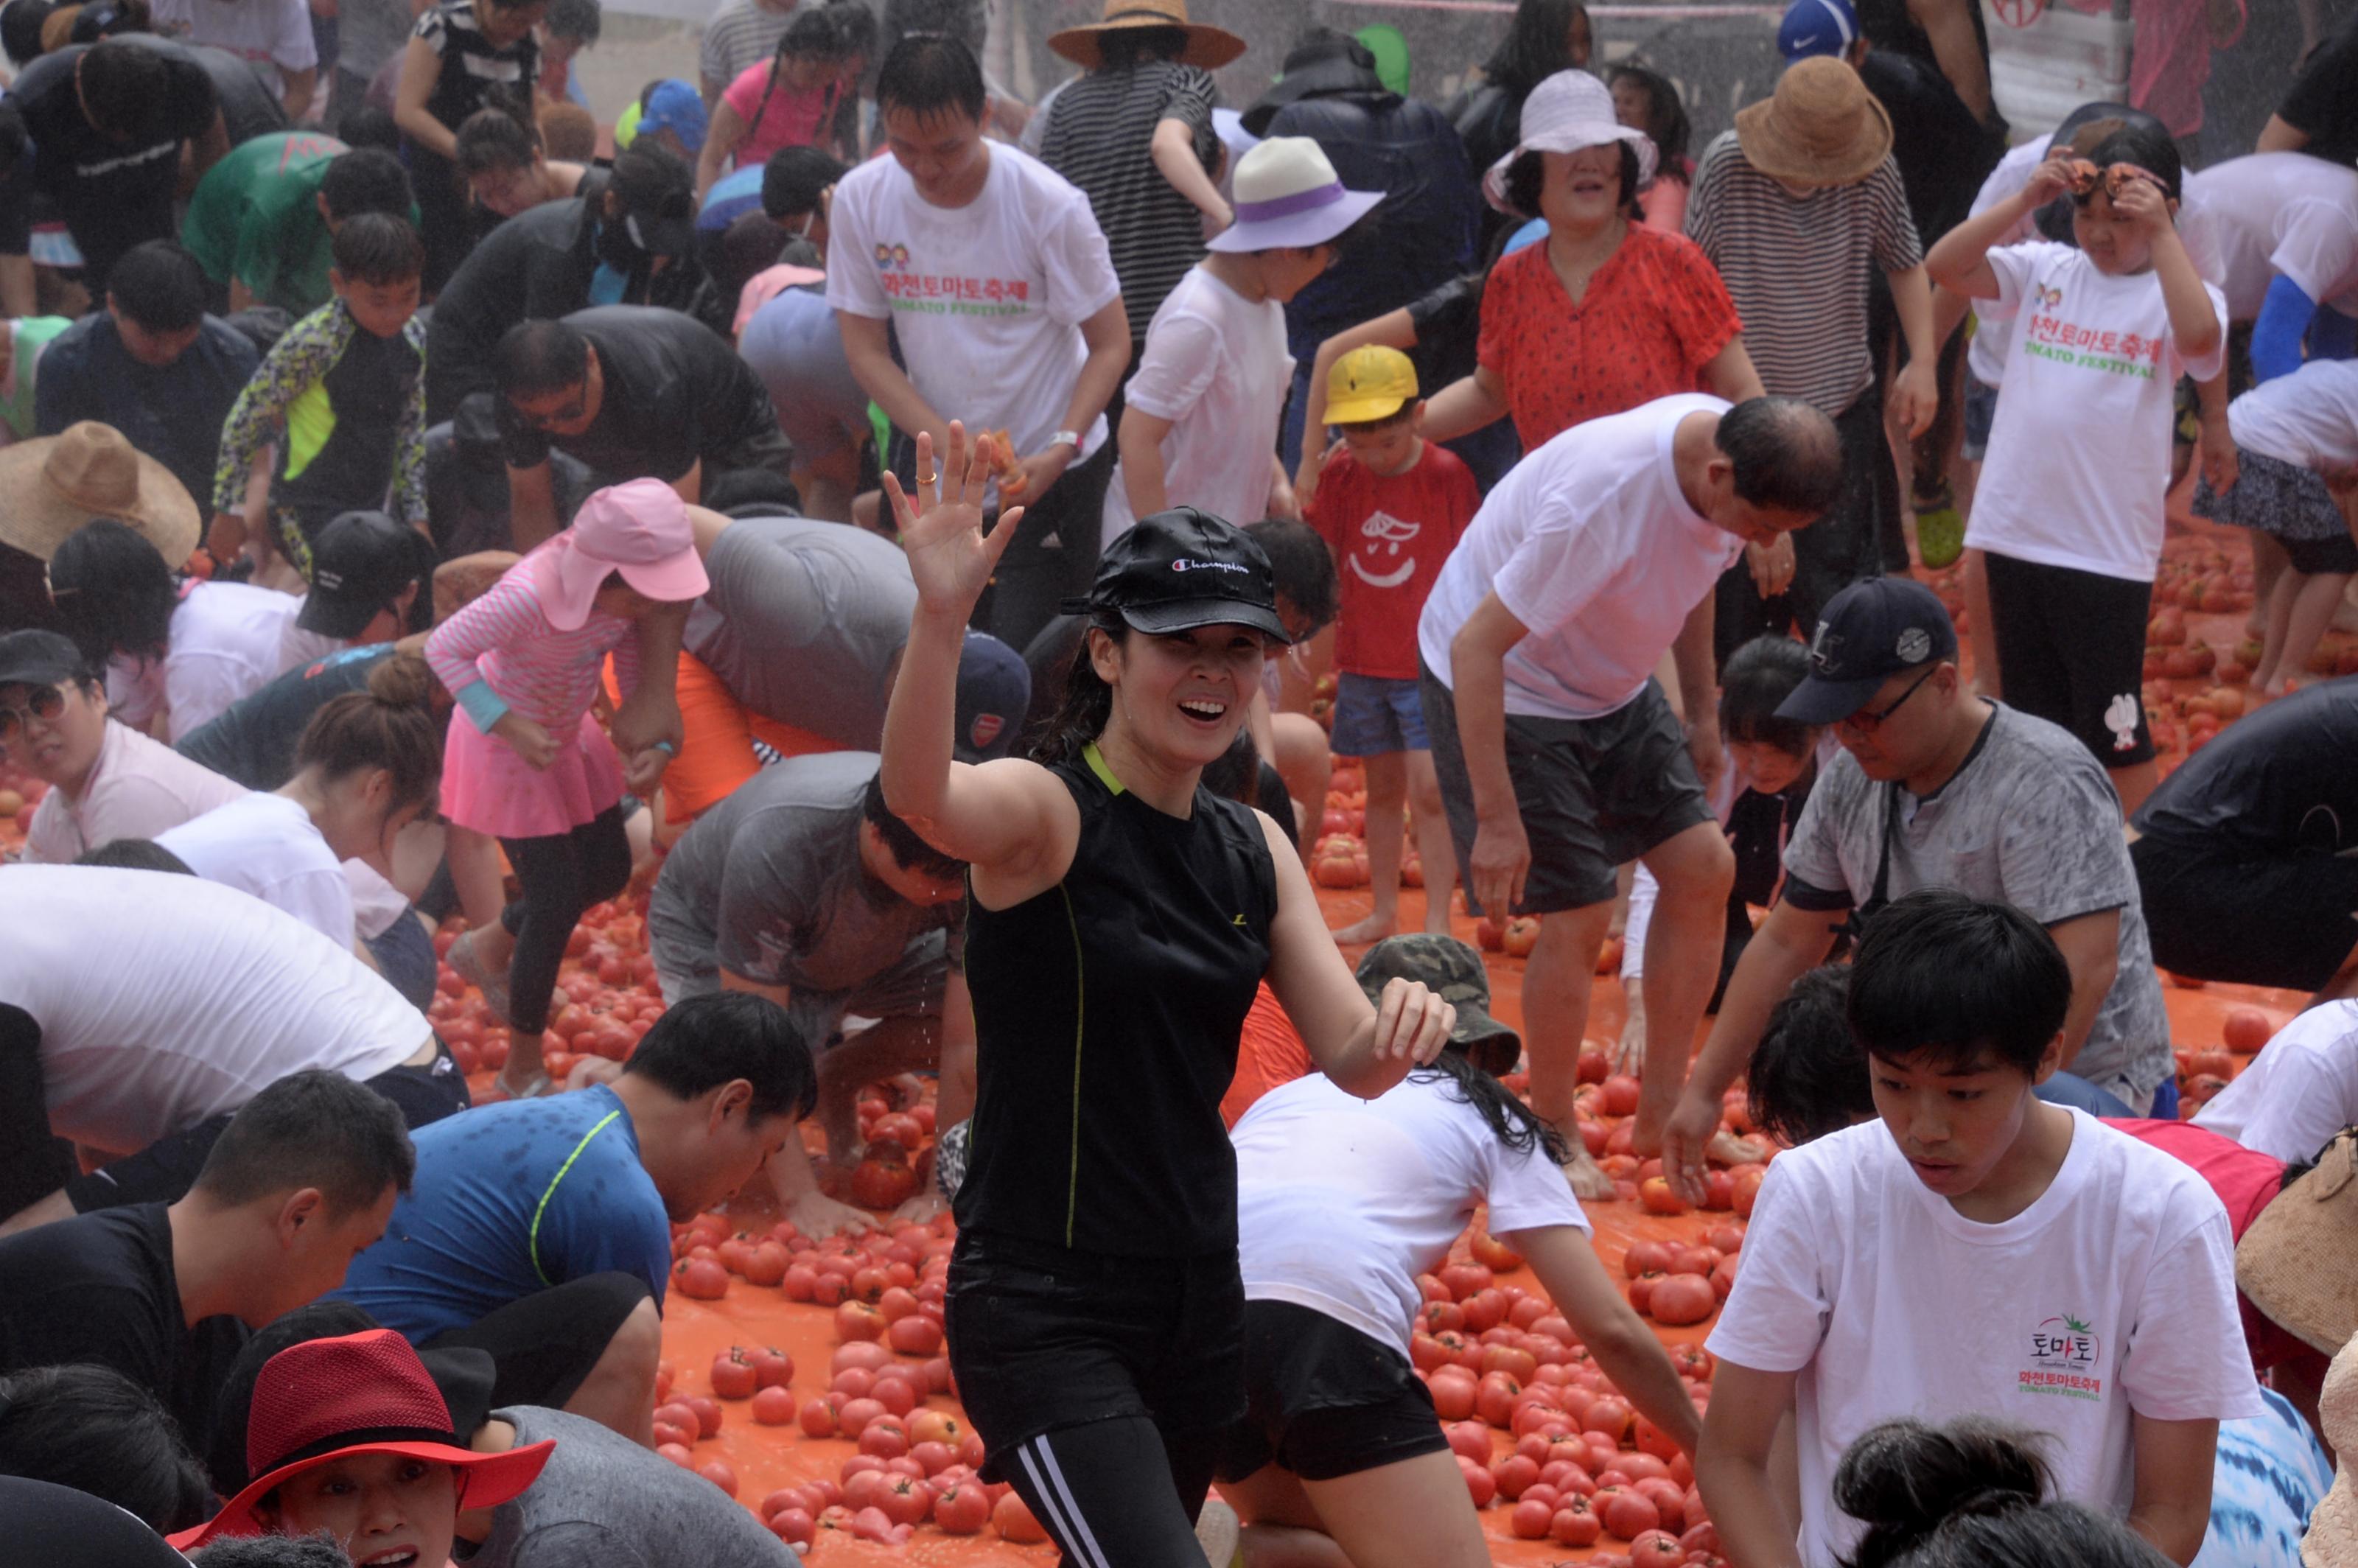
[817, 1216]
[1587, 1181]
[1374, 928]
[1727, 1149]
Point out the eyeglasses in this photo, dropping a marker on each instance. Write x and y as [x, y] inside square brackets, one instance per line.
[1868, 722]
[41, 702]
[2087, 179]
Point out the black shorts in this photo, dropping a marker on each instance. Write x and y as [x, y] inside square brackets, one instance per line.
[545, 1346]
[2334, 556]
[168, 1168]
[1324, 1399]
[1593, 793]
[2286, 920]
[1043, 1338]
[2071, 644]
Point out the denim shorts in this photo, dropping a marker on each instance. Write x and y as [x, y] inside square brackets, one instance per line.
[1373, 716]
[1981, 413]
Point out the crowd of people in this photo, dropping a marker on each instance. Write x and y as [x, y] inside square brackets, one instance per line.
[902, 531]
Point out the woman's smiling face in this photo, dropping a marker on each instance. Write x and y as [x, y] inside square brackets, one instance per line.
[1183, 693]
[387, 1510]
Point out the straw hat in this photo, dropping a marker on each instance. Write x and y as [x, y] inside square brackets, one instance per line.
[2333, 1538]
[2298, 1261]
[1821, 127]
[1207, 46]
[51, 486]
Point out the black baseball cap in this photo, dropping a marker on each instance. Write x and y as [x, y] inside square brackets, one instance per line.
[1182, 568]
[41, 659]
[359, 563]
[658, 193]
[1870, 632]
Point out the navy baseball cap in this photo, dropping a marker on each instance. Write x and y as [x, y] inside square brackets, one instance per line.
[42, 658]
[1871, 631]
[1179, 570]
[994, 689]
[1817, 27]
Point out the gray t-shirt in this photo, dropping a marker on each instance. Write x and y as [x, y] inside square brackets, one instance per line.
[773, 873]
[603, 1499]
[802, 623]
[2029, 820]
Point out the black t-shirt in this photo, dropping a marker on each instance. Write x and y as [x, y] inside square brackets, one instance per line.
[2276, 782]
[252, 741]
[1448, 323]
[1109, 1009]
[675, 392]
[248, 106]
[2324, 100]
[112, 195]
[1943, 153]
[100, 1288]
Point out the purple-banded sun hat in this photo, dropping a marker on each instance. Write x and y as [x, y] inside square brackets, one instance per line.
[1288, 196]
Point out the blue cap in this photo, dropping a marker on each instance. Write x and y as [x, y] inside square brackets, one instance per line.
[994, 689]
[1870, 632]
[674, 106]
[1817, 27]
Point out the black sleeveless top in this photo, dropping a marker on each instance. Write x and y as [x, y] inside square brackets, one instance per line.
[1107, 1012]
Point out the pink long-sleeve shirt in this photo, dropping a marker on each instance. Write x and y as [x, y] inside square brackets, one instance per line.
[503, 640]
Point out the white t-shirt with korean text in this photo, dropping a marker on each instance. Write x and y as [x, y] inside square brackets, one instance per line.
[2112, 1294]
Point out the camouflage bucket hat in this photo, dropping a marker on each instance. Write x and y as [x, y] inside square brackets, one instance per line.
[1453, 971]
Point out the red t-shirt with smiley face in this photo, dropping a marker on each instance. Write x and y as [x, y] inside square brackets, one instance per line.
[1390, 534]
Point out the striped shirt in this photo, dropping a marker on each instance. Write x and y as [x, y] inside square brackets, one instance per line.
[471, 64]
[503, 640]
[1101, 135]
[742, 34]
[1798, 267]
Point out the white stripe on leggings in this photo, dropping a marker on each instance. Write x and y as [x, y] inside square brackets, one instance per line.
[1059, 1499]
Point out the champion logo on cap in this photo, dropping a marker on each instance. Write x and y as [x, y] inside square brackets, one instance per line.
[322, 578]
[1915, 646]
[984, 729]
[1184, 564]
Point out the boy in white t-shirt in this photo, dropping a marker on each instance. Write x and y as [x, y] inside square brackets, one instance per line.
[2069, 512]
[1199, 420]
[1978, 1251]
[992, 272]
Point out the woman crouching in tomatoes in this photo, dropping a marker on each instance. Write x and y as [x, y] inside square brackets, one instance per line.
[1341, 1205]
[1121, 918]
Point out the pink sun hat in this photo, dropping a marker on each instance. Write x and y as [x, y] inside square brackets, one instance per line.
[638, 529]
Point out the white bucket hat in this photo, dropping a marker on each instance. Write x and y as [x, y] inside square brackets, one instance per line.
[1568, 112]
[1288, 196]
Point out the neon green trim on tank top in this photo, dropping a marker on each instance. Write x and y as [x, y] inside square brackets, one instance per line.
[542, 1207]
[1096, 760]
[1080, 990]
[310, 422]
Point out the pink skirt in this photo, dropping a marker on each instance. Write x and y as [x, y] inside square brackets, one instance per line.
[486, 786]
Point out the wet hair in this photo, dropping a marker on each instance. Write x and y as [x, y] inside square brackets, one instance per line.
[1125, 48]
[793, 178]
[1808, 1076]
[580, 19]
[750, 245]
[812, 32]
[311, 1128]
[92, 1429]
[541, 356]
[391, 726]
[20, 30]
[1081, 712]
[234, 1404]
[708, 1040]
[2150, 149]
[1300, 565]
[1955, 981]
[1786, 454]
[127, 91]
[1758, 676]
[114, 592]
[366, 179]
[494, 138]
[159, 286]
[1535, 46]
[1666, 117]
[856, 24]
[1968, 1494]
[909, 850]
[568, 131]
[1527, 176]
[366, 125]
[378, 249]
[1516, 1125]
[273, 1551]
[929, 74]
[134, 854]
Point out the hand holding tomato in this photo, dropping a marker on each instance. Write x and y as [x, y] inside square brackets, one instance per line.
[950, 553]
[1685, 1136]
[1412, 1022]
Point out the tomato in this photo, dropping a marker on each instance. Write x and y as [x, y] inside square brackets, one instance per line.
[665, 1431]
[700, 1279]
[772, 1367]
[1521, 935]
[1485, 1310]
[1575, 1524]
[773, 1406]
[1493, 1254]
[916, 1335]
[1646, 1256]
[1566, 1478]
[852, 1418]
[884, 1437]
[1620, 1095]
[795, 1527]
[896, 1304]
[1702, 1538]
[2246, 1030]
[765, 1264]
[858, 1319]
[1726, 1239]
[1013, 1521]
[962, 1509]
[865, 1353]
[900, 1128]
[1610, 1415]
[1495, 1399]
[1746, 1179]
[734, 1377]
[883, 1180]
[1464, 1279]
[1641, 1290]
[853, 1383]
[717, 1472]
[1693, 1362]
[707, 1415]
[1669, 1500]
[1680, 1299]
[2218, 1064]
[1469, 1440]
[1452, 1398]
[678, 1454]
[1478, 1483]
[1530, 1520]
[937, 1426]
[1517, 1363]
[1656, 1548]
[1655, 1195]
[1723, 1278]
[906, 1501]
[1693, 1260]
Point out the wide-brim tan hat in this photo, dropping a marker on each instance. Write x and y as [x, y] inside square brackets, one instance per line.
[1208, 47]
[2298, 1261]
[1820, 127]
[2333, 1538]
[51, 486]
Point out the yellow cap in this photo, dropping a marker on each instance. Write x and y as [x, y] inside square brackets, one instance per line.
[1370, 384]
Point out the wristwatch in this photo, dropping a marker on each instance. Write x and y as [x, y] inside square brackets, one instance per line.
[1066, 439]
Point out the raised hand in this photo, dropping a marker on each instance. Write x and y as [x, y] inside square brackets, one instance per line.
[1411, 1021]
[941, 527]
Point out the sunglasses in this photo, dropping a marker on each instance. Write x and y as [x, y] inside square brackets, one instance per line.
[2087, 179]
[41, 702]
[1867, 721]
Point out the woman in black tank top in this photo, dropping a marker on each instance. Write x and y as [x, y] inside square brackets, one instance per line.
[1121, 918]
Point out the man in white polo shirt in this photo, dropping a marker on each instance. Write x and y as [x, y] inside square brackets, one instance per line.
[1558, 753]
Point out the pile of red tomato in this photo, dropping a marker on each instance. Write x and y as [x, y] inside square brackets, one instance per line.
[2202, 1074]
[604, 1003]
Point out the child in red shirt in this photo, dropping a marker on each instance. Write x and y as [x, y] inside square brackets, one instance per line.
[1391, 508]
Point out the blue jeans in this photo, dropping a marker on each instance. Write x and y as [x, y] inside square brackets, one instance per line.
[405, 956]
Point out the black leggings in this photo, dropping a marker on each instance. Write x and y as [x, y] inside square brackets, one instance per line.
[1116, 1493]
[561, 875]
